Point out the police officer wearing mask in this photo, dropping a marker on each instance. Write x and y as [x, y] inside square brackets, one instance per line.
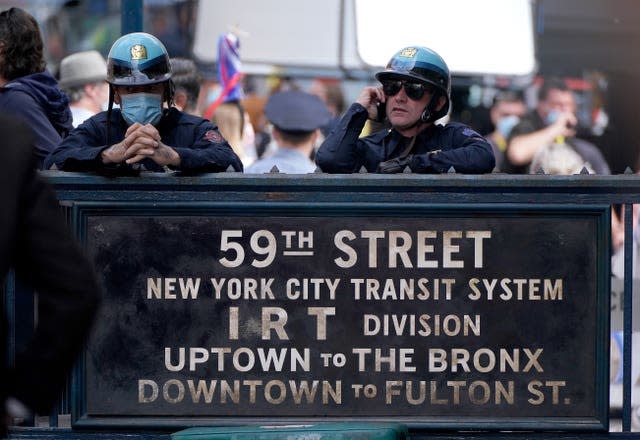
[415, 93]
[296, 118]
[142, 134]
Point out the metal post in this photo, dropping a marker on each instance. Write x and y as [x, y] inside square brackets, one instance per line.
[131, 16]
[627, 316]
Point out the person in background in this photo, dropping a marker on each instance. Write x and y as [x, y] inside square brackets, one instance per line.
[83, 76]
[142, 134]
[552, 125]
[415, 93]
[506, 110]
[296, 118]
[186, 79]
[27, 89]
[226, 110]
[330, 92]
[209, 86]
[35, 241]
[230, 120]
[253, 103]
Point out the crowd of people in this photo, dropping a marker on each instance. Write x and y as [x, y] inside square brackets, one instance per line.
[138, 109]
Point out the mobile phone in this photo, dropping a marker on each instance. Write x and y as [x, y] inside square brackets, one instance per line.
[382, 111]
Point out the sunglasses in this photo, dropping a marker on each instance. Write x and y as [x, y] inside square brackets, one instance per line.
[413, 90]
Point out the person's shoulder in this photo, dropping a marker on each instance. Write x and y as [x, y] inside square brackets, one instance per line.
[454, 127]
[260, 166]
[583, 143]
[184, 118]
[16, 148]
[14, 94]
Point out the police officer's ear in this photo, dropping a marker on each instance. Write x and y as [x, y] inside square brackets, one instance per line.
[116, 95]
[180, 100]
[442, 100]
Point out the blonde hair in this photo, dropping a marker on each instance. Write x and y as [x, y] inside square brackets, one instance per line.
[229, 119]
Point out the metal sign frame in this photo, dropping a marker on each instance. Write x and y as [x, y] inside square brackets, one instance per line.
[596, 420]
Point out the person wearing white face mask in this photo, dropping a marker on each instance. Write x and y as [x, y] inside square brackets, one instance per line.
[553, 122]
[142, 134]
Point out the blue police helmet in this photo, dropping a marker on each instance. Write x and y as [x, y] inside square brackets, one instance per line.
[138, 59]
[296, 111]
[421, 64]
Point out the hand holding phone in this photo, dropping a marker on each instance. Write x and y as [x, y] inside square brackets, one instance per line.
[370, 98]
[382, 111]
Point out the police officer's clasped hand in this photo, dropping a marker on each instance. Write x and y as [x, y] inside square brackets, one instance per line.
[396, 165]
[141, 141]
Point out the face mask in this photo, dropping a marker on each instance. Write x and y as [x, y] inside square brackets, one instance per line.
[506, 124]
[552, 117]
[145, 108]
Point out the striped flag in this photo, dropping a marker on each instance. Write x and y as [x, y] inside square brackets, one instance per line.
[229, 71]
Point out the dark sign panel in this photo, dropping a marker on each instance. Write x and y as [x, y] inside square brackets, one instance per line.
[473, 318]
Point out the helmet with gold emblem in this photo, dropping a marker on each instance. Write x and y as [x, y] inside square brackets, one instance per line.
[138, 58]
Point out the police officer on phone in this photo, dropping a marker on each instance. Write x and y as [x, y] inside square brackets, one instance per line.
[415, 93]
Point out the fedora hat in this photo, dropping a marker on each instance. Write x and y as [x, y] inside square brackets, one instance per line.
[82, 68]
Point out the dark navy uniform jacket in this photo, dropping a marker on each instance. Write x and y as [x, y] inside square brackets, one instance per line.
[436, 149]
[198, 142]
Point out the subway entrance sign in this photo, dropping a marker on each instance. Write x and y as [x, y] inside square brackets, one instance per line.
[438, 317]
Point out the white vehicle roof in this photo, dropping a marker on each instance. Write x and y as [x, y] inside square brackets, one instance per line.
[488, 37]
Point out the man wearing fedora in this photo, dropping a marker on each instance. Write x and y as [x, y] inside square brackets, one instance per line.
[83, 75]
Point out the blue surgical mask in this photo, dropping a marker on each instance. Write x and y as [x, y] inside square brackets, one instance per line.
[145, 108]
[506, 124]
[552, 117]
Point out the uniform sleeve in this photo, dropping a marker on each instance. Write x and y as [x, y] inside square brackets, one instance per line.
[209, 153]
[80, 151]
[340, 151]
[47, 255]
[468, 153]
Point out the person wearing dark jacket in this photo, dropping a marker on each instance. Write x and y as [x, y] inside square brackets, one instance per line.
[142, 135]
[415, 92]
[27, 89]
[36, 242]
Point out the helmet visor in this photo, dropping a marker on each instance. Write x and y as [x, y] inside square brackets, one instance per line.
[154, 71]
[400, 67]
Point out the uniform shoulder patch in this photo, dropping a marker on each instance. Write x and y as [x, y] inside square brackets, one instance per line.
[213, 136]
[470, 132]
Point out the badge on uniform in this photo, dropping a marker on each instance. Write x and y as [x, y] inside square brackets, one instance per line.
[213, 136]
